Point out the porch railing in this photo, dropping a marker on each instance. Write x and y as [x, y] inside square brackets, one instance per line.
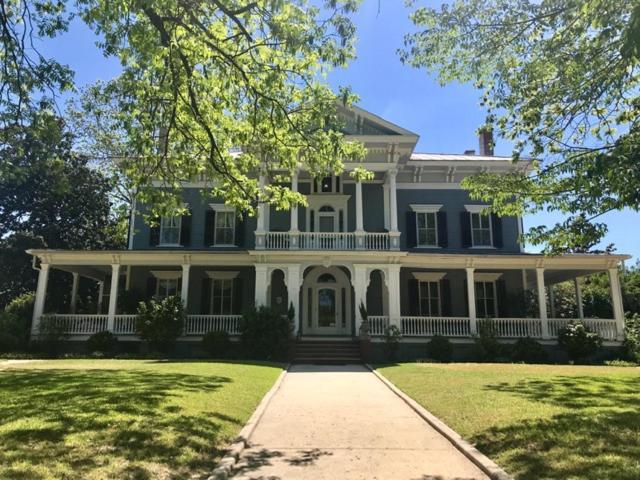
[201, 324]
[429, 326]
[125, 325]
[518, 327]
[78, 324]
[605, 327]
[377, 324]
[327, 241]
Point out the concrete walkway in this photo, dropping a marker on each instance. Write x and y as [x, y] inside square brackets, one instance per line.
[342, 422]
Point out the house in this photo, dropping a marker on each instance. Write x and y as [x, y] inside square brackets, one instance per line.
[409, 244]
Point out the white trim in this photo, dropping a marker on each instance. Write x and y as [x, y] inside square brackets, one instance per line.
[221, 207]
[166, 274]
[487, 276]
[429, 186]
[476, 208]
[429, 276]
[221, 274]
[433, 208]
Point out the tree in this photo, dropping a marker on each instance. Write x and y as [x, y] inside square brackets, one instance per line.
[222, 89]
[559, 78]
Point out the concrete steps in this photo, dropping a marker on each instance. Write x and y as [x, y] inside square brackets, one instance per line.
[327, 352]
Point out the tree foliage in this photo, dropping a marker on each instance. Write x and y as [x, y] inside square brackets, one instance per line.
[559, 79]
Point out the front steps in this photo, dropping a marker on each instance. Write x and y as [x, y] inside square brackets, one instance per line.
[327, 352]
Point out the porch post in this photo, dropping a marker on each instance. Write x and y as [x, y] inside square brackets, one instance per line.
[393, 211]
[113, 296]
[100, 297]
[184, 291]
[260, 228]
[262, 283]
[74, 292]
[616, 297]
[294, 230]
[293, 292]
[360, 292]
[471, 299]
[359, 220]
[552, 301]
[578, 287]
[41, 293]
[393, 284]
[542, 302]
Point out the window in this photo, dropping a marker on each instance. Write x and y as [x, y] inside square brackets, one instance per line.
[481, 230]
[429, 299]
[427, 229]
[486, 299]
[170, 230]
[225, 227]
[328, 185]
[221, 296]
[166, 287]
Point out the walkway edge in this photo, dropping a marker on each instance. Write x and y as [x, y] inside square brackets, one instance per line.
[226, 463]
[483, 462]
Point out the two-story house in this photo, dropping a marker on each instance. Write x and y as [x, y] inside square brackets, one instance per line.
[409, 244]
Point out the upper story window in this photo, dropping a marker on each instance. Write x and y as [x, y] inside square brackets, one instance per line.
[170, 227]
[486, 299]
[426, 224]
[327, 185]
[481, 230]
[224, 225]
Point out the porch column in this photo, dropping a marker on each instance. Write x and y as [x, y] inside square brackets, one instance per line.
[113, 296]
[360, 292]
[393, 284]
[393, 211]
[294, 230]
[616, 300]
[578, 288]
[359, 220]
[262, 284]
[74, 292]
[542, 302]
[471, 300]
[184, 291]
[293, 292]
[552, 301]
[100, 297]
[261, 221]
[41, 293]
[385, 203]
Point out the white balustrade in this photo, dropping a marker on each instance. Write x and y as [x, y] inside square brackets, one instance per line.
[428, 326]
[377, 241]
[201, 324]
[326, 241]
[125, 325]
[377, 324]
[605, 327]
[79, 324]
[517, 327]
[277, 241]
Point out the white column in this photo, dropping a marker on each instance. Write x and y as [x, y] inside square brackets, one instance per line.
[360, 292]
[471, 300]
[184, 291]
[552, 301]
[616, 298]
[294, 231]
[542, 302]
[293, 292]
[385, 202]
[113, 296]
[393, 286]
[127, 282]
[394, 234]
[41, 293]
[359, 219]
[262, 284]
[100, 297]
[261, 221]
[74, 292]
[578, 287]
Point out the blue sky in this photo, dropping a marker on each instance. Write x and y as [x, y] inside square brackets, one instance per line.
[445, 117]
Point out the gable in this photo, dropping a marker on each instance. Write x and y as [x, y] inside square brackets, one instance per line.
[361, 122]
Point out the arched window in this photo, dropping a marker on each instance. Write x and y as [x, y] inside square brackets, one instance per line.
[326, 208]
[326, 278]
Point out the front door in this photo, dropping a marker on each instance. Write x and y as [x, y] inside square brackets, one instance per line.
[326, 299]
[328, 314]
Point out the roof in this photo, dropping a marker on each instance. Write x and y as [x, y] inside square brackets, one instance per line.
[461, 157]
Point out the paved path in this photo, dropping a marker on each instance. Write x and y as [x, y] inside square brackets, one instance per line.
[343, 423]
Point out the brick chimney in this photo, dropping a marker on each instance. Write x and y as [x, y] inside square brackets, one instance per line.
[486, 142]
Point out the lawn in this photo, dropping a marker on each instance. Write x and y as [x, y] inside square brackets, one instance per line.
[537, 421]
[125, 419]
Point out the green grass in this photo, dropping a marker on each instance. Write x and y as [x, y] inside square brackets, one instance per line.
[124, 419]
[537, 421]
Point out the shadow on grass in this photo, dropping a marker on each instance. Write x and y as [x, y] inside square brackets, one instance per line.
[73, 422]
[599, 438]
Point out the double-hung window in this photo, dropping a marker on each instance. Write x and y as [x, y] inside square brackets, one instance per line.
[481, 230]
[167, 283]
[170, 230]
[426, 224]
[225, 227]
[429, 298]
[222, 292]
[486, 299]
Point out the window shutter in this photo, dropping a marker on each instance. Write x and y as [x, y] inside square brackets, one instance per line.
[445, 297]
[443, 237]
[501, 298]
[239, 233]
[151, 287]
[185, 230]
[237, 296]
[496, 226]
[154, 233]
[465, 229]
[412, 239]
[205, 296]
[209, 226]
[414, 298]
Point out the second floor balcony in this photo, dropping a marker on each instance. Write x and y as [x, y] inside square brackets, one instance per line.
[327, 241]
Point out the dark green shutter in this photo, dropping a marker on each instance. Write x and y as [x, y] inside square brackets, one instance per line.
[445, 297]
[205, 296]
[501, 299]
[209, 226]
[496, 227]
[154, 233]
[185, 230]
[443, 235]
[465, 229]
[237, 296]
[412, 239]
[414, 297]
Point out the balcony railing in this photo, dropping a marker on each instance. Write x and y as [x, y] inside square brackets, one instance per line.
[327, 241]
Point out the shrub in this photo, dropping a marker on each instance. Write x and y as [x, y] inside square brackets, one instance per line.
[15, 329]
[528, 350]
[391, 338]
[486, 345]
[578, 341]
[216, 344]
[632, 337]
[160, 322]
[51, 334]
[103, 342]
[440, 349]
[265, 334]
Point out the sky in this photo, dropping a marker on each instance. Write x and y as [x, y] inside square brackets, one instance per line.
[446, 118]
